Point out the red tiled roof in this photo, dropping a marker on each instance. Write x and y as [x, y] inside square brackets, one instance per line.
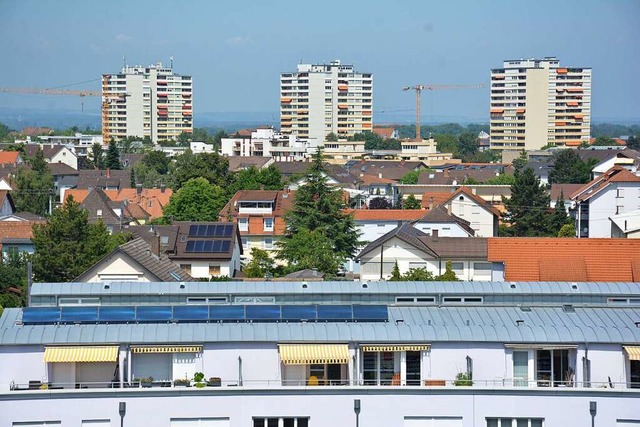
[438, 198]
[373, 179]
[615, 174]
[283, 201]
[383, 132]
[566, 260]
[479, 200]
[151, 200]
[386, 214]
[9, 157]
[17, 229]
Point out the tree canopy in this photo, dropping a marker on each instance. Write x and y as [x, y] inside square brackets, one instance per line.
[197, 200]
[210, 166]
[67, 244]
[411, 202]
[269, 178]
[569, 168]
[316, 215]
[35, 186]
[112, 159]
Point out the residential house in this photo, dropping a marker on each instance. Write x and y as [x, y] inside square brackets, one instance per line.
[64, 178]
[563, 192]
[266, 142]
[424, 150]
[16, 236]
[54, 154]
[104, 179]
[411, 248]
[394, 170]
[552, 354]
[615, 192]
[259, 215]
[440, 222]
[135, 261]
[628, 159]
[202, 249]
[343, 149]
[545, 259]
[626, 225]
[385, 132]
[483, 217]
[10, 158]
[102, 209]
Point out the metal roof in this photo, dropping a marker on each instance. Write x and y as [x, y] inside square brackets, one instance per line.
[406, 325]
[337, 287]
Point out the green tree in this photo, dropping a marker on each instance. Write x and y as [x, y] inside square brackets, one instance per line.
[112, 160]
[157, 160]
[502, 179]
[331, 137]
[96, 157]
[558, 217]
[252, 178]
[447, 143]
[567, 230]
[568, 168]
[211, 166]
[310, 249]
[634, 142]
[261, 263]
[411, 202]
[13, 273]
[395, 273]
[184, 139]
[67, 244]
[605, 141]
[35, 186]
[449, 275]
[420, 274]
[527, 208]
[520, 162]
[197, 200]
[379, 203]
[317, 212]
[217, 138]
[467, 145]
[411, 177]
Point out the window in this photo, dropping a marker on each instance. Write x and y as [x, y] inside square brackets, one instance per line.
[466, 300]
[268, 243]
[255, 300]
[243, 224]
[268, 224]
[552, 368]
[281, 422]
[205, 300]
[380, 367]
[515, 422]
[99, 212]
[186, 267]
[245, 243]
[78, 301]
[214, 270]
[421, 300]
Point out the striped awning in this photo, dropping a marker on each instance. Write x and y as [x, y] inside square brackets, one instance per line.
[374, 348]
[168, 349]
[632, 352]
[307, 354]
[542, 346]
[80, 354]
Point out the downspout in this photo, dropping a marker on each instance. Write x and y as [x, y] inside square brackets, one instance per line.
[381, 259]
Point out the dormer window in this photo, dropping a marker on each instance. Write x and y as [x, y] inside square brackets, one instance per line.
[99, 212]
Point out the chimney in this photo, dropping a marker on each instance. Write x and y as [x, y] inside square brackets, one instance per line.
[155, 245]
[449, 209]
[138, 190]
[162, 187]
[108, 173]
[434, 234]
[380, 175]
[430, 203]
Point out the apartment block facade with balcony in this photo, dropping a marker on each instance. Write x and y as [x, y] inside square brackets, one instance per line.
[318, 99]
[536, 102]
[150, 101]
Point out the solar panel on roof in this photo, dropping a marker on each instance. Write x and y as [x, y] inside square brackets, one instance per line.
[262, 312]
[226, 312]
[335, 312]
[117, 314]
[370, 313]
[226, 244]
[199, 246]
[299, 312]
[190, 246]
[40, 315]
[153, 313]
[79, 314]
[190, 312]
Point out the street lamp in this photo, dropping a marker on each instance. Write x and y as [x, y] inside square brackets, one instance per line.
[123, 411]
[593, 410]
[356, 409]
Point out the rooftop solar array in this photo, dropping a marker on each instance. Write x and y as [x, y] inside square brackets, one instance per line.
[207, 230]
[205, 313]
[208, 246]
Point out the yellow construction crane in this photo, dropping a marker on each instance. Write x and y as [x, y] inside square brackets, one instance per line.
[420, 88]
[107, 99]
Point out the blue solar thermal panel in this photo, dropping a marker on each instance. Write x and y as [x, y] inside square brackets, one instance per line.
[153, 313]
[117, 314]
[198, 246]
[40, 315]
[226, 312]
[299, 312]
[208, 246]
[262, 312]
[79, 314]
[190, 246]
[193, 231]
[191, 312]
[225, 245]
[335, 312]
[370, 313]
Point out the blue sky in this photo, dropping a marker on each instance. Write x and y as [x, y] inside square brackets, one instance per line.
[235, 50]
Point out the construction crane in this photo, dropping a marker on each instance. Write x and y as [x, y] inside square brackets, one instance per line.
[107, 99]
[420, 88]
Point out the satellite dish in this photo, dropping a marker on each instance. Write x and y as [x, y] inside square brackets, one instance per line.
[584, 230]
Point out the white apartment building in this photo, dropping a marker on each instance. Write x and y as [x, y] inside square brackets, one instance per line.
[319, 99]
[536, 102]
[148, 101]
[266, 142]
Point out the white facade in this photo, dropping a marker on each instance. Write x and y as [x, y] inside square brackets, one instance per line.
[481, 220]
[200, 147]
[80, 143]
[319, 99]
[208, 268]
[266, 142]
[594, 214]
[536, 102]
[444, 229]
[148, 101]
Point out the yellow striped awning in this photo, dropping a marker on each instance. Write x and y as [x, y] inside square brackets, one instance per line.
[307, 354]
[374, 348]
[168, 349]
[633, 352]
[80, 354]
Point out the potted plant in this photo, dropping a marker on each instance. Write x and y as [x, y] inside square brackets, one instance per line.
[198, 379]
[146, 382]
[181, 382]
[214, 382]
[463, 379]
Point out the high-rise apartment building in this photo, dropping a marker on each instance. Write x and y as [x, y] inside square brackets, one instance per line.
[536, 102]
[148, 101]
[326, 98]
